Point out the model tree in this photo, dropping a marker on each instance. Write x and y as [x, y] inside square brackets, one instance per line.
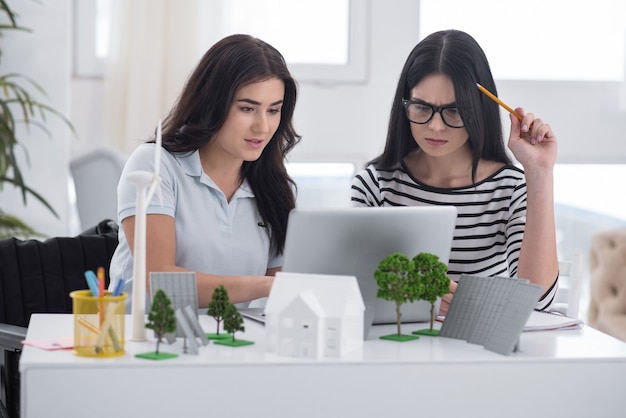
[396, 281]
[161, 318]
[217, 308]
[233, 321]
[432, 275]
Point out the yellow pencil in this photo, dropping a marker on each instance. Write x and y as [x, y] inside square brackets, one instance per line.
[500, 102]
[89, 325]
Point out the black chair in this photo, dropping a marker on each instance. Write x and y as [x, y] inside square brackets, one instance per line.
[37, 277]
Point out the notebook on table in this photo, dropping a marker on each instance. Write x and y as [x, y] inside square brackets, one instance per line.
[352, 241]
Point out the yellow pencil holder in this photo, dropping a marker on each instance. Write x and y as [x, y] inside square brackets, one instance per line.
[98, 324]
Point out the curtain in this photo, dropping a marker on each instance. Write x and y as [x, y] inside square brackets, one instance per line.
[154, 46]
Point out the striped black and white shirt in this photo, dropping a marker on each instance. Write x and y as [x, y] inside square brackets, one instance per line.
[490, 222]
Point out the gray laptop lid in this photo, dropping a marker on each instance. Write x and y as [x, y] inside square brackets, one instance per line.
[352, 241]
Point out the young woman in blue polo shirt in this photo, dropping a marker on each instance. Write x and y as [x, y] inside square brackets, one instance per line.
[226, 192]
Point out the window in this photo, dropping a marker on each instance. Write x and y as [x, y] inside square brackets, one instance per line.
[323, 41]
[92, 25]
[594, 188]
[322, 184]
[587, 201]
[539, 40]
[294, 27]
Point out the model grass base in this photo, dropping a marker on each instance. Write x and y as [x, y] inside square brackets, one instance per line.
[156, 356]
[236, 343]
[399, 337]
[427, 331]
[222, 336]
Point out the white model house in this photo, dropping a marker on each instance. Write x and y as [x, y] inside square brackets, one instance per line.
[314, 315]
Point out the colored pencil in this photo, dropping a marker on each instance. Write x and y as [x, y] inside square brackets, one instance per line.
[101, 292]
[500, 102]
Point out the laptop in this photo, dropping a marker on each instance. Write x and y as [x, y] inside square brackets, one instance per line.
[352, 241]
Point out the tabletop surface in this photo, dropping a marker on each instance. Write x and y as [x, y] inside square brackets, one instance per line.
[585, 344]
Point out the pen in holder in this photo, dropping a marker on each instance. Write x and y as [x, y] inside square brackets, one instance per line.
[98, 324]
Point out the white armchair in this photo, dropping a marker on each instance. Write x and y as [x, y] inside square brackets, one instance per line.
[607, 308]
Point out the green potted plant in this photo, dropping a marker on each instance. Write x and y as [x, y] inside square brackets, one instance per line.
[19, 106]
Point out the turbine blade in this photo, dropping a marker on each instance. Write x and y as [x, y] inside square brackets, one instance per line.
[157, 153]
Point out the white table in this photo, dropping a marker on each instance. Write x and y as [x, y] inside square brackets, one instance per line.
[567, 373]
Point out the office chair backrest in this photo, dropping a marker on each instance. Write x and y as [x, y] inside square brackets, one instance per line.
[95, 175]
[37, 277]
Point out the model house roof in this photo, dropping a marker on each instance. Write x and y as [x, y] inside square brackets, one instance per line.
[308, 299]
[336, 294]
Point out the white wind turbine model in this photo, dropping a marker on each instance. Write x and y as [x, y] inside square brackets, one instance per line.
[143, 179]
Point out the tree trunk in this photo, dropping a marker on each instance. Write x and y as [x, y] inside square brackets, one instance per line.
[399, 316]
[432, 315]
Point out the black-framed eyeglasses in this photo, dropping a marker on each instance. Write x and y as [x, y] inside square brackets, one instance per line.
[421, 112]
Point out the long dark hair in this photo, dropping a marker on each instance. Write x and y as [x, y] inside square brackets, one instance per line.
[203, 106]
[458, 55]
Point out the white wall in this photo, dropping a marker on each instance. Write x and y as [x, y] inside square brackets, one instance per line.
[44, 56]
[337, 122]
[587, 117]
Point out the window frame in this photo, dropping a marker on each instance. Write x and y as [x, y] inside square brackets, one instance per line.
[88, 65]
[355, 70]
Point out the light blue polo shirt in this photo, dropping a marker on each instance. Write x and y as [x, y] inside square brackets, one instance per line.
[212, 235]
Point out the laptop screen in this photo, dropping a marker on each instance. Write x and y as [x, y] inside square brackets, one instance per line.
[352, 241]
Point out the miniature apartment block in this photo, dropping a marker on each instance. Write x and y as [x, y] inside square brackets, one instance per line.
[314, 315]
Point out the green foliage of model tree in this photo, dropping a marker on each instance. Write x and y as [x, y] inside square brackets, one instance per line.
[432, 275]
[19, 106]
[233, 321]
[217, 306]
[396, 281]
[161, 318]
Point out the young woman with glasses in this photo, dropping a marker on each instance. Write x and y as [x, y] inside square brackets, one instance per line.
[445, 147]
